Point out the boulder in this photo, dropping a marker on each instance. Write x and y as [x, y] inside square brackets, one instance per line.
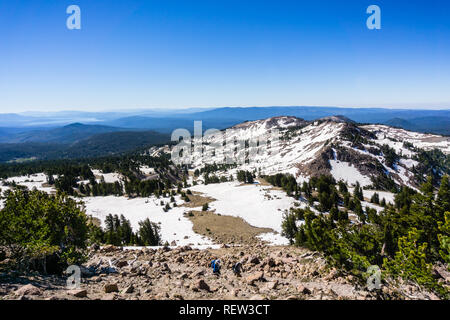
[28, 290]
[257, 276]
[177, 296]
[165, 268]
[272, 285]
[304, 290]
[198, 273]
[254, 260]
[79, 293]
[185, 248]
[111, 287]
[121, 263]
[129, 289]
[183, 276]
[202, 285]
[269, 262]
[110, 248]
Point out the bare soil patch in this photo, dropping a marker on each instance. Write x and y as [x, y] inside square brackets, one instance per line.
[225, 229]
[197, 199]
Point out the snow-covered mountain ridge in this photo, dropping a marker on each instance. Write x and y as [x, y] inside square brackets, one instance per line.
[371, 154]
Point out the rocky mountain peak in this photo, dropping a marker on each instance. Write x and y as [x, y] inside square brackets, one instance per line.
[282, 122]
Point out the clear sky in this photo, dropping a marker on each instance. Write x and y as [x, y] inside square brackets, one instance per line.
[175, 54]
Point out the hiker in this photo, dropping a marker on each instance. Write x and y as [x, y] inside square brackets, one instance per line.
[215, 265]
[237, 268]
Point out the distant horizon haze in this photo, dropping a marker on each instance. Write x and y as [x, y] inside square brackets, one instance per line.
[205, 108]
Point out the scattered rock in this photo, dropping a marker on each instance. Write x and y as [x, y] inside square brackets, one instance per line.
[258, 297]
[110, 296]
[183, 276]
[129, 289]
[254, 260]
[257, 276]
[269, 262]
[86, 272]
[177, 296]
[165, 268]
[442, 272]
[110, 248]
[79, 293]
[202, 285]
[28, 290]
[268, 272]
[121, 263]
[198, 273]
[111, 287]
[302, 289]
[272, 285]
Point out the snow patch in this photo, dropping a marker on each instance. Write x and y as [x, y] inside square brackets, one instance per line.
[346, 172]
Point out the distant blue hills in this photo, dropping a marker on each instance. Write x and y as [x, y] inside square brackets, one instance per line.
[68, 127]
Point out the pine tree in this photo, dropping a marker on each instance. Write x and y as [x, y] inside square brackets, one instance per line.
[443, 198]
[149, 233]
[375, 198]
[126, 232]
[289, 226]
[359, 211]
[358, 193]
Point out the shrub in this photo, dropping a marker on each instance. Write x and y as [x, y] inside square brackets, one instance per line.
[35, 226]
[444, 238]
[410, 260]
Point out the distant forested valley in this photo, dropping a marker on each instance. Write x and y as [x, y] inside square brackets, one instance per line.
[114, 143]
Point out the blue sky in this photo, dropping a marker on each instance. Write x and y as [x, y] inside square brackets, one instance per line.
[176, 54]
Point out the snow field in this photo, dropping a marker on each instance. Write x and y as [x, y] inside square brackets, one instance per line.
[174, 225]
[256, 204]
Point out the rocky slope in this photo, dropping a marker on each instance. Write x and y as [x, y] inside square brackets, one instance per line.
[184, 273]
